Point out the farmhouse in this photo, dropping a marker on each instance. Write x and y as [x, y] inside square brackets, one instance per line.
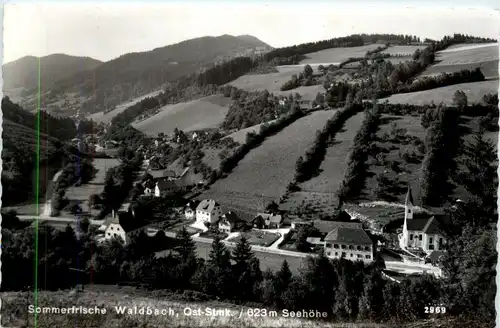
[349, 242]
[164, 187]
[422, 233]
[230, 222]
[208, 211]
[268, 220]
[123, 227]
[162, 174]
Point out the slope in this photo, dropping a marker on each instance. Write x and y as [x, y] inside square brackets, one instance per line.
[135, 74]
[23, 73]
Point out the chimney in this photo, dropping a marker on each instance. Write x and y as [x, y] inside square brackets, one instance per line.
[113, 214]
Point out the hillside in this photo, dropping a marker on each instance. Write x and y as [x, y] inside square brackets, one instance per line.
[23, 73]
[135, 74]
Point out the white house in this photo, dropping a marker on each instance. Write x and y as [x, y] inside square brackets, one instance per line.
[189, 212]
[351, 243]
[208, 211]
[119, 227]
[426, 233]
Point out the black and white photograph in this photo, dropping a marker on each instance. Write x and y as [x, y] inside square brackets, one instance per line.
[249, 164]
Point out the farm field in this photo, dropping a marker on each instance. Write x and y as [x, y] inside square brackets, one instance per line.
[402, 50]
[271, 82]
[95, 186]
[265, 172]
[337, 55]
[474, 92]
[107, 117]
[307, 93]
[207, 112]
[320, 190]
[467, 57]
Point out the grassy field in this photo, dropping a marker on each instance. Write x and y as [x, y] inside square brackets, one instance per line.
[320, 190]
[106, 118]
[14, 311]
[265, 172]
[207, 112]
[259, 238]
[402, 50]
[337, 55]
[95, 186]
[474, 91]
[271, 82]
[462, 57]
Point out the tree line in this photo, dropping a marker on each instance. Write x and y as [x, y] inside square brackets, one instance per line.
[308, 166]
[354, 178]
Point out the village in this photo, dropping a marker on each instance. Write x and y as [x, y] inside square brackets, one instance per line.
[411, 245]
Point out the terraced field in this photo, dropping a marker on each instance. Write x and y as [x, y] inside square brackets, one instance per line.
[107, 117]
[264, 173]
[207, 112]
[474, 91]
[320, 190]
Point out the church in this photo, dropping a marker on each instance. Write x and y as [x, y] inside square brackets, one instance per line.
[422, 231]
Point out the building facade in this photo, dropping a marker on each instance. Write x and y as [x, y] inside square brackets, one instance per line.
[208, 211]
[350, 243]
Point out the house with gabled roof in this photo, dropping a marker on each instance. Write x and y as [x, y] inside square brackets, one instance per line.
[230, 222]
[208, 211]
[122, 226]
[268, 220]
[423, 231]
[350, 242]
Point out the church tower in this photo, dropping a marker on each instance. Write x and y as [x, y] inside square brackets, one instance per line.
[408, 213]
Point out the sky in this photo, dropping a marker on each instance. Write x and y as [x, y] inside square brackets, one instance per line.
[106, 30]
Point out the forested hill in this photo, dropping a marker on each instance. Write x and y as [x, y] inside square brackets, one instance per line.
[135, 74]
[23, 73]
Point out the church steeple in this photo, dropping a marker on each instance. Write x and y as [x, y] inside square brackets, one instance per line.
[409, 197]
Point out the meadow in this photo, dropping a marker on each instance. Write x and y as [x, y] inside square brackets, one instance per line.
[240, 135]
[337, 55]
[265, 172]
[462, 57]
[402, 50]
[474, 92]
[271, 82]
[207, 112]
[107, 117]
[319, 191]
[96, 185]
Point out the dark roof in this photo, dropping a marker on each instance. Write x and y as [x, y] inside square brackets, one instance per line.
[130, 224]
[409, 197]
[158, 174]
[349, 235]
[271, 217]
[231, 217]
[207, 205]
[166, 184]
[435, 224]
[325, 227]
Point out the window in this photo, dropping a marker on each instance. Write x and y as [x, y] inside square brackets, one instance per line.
[109, 234]
[440, 241]
[115, 234]
[359, 256]
[350, 247]
[358, 248]
[419, 237]
[431, 247]
[328, 245]
[352, 254]
[328, 253]
[343, 254]
[336, 246]
[367, 248]
[343, 246]
[430, 240]
[367, 257]
[111, 228]
[336, 253]
[411, 237]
